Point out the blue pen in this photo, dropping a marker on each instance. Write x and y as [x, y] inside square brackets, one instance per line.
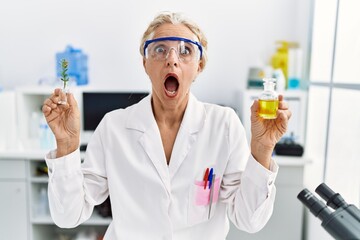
[211, 177]
[211, 196]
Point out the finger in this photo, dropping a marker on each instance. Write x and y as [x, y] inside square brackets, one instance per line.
[254, 110]
[283, 105]
[255, 106]
[48, 106]
[46, 110]
[62, 98]
[50, 103]
[55, 98]
[71, 100]
[289, 114]
[284, 114]
[57, 91]
[57, 95]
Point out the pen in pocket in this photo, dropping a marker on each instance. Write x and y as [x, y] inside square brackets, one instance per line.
[211, 179]
[211, 194]
[206, 176]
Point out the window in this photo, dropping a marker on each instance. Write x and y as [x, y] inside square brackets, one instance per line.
[333, 125]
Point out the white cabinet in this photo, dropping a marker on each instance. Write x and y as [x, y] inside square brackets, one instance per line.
[286, 220]
[41, 225]
[8, 128]
[24, 215]
[13, 203]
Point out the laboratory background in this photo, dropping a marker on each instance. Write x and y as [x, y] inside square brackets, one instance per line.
[311, 47]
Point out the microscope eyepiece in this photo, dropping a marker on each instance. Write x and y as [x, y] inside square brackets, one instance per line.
[333, 200]
[317, 207]
[343, 223]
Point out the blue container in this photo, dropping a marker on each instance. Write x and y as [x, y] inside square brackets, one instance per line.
[294, 83]
[78, 67]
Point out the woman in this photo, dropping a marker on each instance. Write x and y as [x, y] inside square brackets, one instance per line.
[174, 167]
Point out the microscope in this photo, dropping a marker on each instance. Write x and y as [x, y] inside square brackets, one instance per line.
[343, 222]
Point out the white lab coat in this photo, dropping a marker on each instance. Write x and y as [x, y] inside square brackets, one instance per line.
[152, 200]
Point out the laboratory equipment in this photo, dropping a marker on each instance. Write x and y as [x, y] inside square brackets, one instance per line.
[65, 79]
[280, 58]
[268, 100]
[342, 223]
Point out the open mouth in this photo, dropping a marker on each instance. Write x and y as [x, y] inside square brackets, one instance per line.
[171, 85]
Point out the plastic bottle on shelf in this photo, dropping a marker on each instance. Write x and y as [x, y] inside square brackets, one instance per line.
[34, 131]
[280, 58]
[268, 100]
[295, 67]
[280, 80]
[47, 139]
[86, 235]
[43, 204]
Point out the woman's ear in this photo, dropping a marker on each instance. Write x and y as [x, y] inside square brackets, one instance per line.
[144, 64]
[200, 67]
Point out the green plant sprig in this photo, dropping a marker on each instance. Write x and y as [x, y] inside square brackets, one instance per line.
[64, 68]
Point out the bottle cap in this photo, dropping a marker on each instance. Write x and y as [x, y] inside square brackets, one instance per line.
[269, 80]
[269, 84]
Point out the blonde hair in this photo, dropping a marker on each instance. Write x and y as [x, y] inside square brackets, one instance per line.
[175, 18]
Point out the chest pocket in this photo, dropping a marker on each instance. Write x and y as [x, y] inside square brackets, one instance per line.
[199, 201]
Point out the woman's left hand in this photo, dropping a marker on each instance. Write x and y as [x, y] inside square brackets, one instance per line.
[265, 133]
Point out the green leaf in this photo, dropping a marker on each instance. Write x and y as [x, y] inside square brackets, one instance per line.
[64, 68]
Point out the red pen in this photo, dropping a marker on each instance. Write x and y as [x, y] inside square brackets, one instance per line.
[206, 176]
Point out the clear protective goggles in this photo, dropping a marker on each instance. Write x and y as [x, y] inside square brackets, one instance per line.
[159, 49]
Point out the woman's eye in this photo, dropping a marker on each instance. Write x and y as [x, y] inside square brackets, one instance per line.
[185, 51]
[159, 49]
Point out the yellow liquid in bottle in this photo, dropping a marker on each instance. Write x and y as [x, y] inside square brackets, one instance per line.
[268, 108]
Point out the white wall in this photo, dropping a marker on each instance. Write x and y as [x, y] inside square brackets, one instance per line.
[240, 33]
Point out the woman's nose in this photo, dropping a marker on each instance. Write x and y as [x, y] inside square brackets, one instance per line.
[172, 58]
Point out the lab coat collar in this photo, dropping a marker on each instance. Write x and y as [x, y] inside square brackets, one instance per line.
[194, 117]
[141, 118]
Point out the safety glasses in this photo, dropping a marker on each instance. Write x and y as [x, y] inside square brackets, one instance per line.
[186, 50]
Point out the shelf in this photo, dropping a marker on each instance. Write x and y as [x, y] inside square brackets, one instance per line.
[98, 220]
[27, 154]
[44, 179]
[291, 160]
[95, 220]
[42, 220]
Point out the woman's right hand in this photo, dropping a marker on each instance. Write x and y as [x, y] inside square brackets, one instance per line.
[64, 121]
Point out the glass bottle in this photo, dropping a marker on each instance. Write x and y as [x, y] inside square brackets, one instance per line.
[43, 205]
[268, 100]
[64, 77]
[63, 94]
